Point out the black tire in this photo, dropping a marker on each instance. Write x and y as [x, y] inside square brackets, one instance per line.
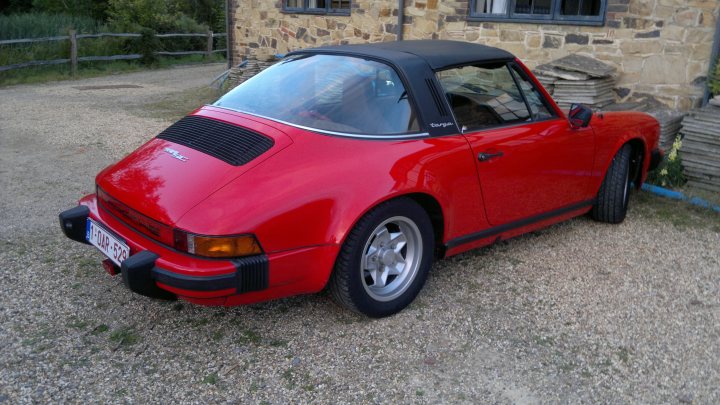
[349, 282]
[612, 199]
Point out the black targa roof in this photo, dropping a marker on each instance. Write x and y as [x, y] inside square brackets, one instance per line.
[416, 62]
[439, 54]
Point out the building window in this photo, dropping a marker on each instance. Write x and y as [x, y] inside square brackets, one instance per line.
[578, 12]
[317, 6]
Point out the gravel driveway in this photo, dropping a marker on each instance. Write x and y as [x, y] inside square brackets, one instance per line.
[579, 312]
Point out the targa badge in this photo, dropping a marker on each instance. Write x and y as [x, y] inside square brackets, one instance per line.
[176, 154]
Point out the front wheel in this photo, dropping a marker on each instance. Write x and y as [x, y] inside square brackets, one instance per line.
[384, 262]
[612, 199]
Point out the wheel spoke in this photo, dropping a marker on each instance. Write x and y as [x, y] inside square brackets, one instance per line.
[374, 276]
[371, 250]
[398, 240]
[396, 270]
[382, 237]
[381, 281]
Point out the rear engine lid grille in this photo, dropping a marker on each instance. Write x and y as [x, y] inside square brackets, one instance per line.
[229, 143]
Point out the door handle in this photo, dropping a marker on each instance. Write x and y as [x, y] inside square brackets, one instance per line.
[483, 157]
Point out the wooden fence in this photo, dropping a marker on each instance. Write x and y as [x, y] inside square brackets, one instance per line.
[74, 59]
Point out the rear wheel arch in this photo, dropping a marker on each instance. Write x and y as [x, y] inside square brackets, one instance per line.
[434, 210]
[427, 201]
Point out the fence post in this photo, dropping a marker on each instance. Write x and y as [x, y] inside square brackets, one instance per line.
[73, 51]
[209, 50]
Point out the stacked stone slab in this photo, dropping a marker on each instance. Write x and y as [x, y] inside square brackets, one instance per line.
[670, 123]
[255, 64]
[700, 149]
[547, 81]
[579, 79]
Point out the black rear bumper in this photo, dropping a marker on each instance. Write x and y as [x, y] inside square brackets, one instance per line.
[141, 275]
[74, 223]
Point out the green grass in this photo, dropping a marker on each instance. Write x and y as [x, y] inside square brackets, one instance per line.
[42, 74]
[250, 336]
[211, 379]
[75, 322]
[125, 337]
[178, 105]
[102, 328]
[624, 355]
[681, 214]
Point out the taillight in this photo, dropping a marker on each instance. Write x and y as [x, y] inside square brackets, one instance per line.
[225, 246]
[217, 246]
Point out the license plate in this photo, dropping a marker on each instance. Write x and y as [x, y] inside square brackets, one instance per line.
[111, 246]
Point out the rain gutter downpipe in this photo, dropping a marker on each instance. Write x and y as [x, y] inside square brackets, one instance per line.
[228, 34]
[713, 59]
[401, 18]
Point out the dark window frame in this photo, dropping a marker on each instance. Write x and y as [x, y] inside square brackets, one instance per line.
[555, 17]
[327, 10]
[516, 73]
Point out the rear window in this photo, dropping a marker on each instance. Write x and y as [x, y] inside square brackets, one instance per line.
[339, 94]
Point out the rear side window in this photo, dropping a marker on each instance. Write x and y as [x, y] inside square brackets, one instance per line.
[339, 94]
[483, 96]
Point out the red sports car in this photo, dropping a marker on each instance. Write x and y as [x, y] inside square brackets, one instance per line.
[353, 168]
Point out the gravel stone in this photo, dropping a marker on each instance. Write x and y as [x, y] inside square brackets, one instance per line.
[579, 312]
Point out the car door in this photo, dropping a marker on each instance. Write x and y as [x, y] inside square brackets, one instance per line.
[530, 162]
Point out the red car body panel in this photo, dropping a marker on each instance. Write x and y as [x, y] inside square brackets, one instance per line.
[544, 165]
[156, 184]
[303, 196]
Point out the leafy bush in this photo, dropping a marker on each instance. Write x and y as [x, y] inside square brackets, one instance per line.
[163, 16]
[38, 25]
[670, 171]
[714, 79]
[148, 44]
[35, 25]
[91, 8]
[47, 18]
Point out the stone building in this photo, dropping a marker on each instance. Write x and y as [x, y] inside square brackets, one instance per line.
[660, 47]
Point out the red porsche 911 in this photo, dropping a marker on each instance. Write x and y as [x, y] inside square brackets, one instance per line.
[352, 168]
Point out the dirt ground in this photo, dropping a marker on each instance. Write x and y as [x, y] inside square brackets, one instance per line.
[579, 312]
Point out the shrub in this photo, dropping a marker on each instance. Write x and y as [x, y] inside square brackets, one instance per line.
[160, 15]
[148, 44]
[714, 79]
[670, 171]
[35, 25]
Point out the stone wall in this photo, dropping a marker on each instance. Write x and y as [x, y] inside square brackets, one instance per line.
[661, 47]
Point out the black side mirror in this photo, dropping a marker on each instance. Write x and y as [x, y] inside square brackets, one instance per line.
[579, 116]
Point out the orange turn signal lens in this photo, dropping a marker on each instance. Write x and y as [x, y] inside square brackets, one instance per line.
[223, 246]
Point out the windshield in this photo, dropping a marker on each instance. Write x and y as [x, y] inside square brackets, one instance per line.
[339, 94]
